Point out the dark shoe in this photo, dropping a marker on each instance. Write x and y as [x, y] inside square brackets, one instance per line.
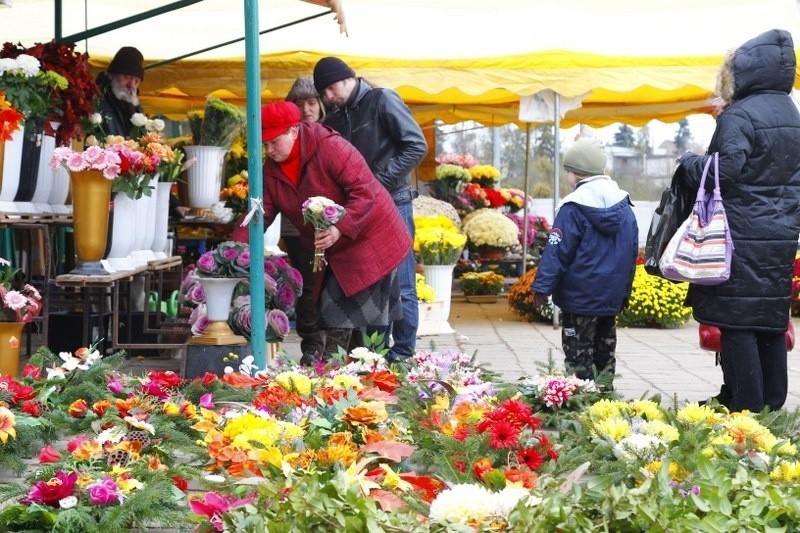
[396, 358]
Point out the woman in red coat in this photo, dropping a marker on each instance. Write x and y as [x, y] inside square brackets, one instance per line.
[358, 287]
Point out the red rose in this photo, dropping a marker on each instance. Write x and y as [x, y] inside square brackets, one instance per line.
[49, 455]
[31, 408]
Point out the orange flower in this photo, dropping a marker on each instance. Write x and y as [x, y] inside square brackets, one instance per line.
[520, 476]
[78, 408]
[10, 118]
[7, 423]
[365, 414]
[480, 468]
[88, 449]
[100, 407]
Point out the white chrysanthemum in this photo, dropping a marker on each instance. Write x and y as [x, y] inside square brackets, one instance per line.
[461, 504]
[641, 447]
[28, 65]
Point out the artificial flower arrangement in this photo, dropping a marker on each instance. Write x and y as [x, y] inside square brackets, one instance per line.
[123, 161]
[425, 292]
[10, 118]
[484, 175]
[236, 194]
[438, 444]
[21, 301]
[655, 303]
[489, 229]
[217, 125]
[437, 241]
[69, 105]
[482, 283]
[27, 86]
[282, 286]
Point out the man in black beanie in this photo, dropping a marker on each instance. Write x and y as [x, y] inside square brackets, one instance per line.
[380, 125]
[120, 86]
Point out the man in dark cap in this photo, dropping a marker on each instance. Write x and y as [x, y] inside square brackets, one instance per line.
[379, 124]
[120, 86]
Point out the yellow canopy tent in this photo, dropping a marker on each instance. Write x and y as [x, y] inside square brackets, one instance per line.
[453, 60]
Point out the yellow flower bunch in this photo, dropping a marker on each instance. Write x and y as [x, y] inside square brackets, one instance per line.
[425, 292]
[655, 302]
[489, 227]
[452, 173]
[484, 172]
[489, 282]
[437, 241]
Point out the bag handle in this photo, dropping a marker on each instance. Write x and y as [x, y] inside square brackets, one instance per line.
[715, 158]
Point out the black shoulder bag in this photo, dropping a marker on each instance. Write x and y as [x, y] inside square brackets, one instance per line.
[675, 207]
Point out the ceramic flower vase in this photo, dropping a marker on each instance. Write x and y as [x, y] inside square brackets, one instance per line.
[162, 193]
[10, 338]
[122, 233]
[59, 191]
[91, 195]
[440, 278]
[29, 163]
[44, 179]
[218, 305]
[150, 220]
[204, 176]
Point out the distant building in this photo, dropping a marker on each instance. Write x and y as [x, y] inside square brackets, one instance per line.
[630, 162]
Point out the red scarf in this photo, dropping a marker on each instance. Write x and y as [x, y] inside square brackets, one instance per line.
[291, 165]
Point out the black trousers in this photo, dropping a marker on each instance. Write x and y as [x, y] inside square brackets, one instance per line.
[754, 368]
[312, 339]
[590, 344]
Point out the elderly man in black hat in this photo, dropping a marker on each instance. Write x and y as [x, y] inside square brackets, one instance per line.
[378, 123]
[120, 86]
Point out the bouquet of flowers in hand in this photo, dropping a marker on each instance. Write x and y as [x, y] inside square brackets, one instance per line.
[321, 213]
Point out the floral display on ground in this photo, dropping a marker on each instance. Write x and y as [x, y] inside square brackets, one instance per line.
[354, 444]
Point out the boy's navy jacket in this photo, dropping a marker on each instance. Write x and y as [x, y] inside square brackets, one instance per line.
[590, 258]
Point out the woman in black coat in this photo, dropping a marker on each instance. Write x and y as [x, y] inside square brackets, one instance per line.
[758, 139]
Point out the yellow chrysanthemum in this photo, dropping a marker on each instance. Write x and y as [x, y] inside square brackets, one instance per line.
[694, 413]
[647, 409]
[484, 171]
[606, 409]
[662, 430]
[615, 428]
[294, 382]
[786, 472]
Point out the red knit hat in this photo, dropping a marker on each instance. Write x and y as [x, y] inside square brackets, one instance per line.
[277, 117]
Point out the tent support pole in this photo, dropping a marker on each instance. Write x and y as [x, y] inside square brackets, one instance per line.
[258, 343]
[556, 174]
[527, 195]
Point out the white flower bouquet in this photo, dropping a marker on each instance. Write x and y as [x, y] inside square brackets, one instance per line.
[321, 213]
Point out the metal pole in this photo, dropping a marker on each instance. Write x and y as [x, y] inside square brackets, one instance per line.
[556, 174]
[253, 77]
[525, 205]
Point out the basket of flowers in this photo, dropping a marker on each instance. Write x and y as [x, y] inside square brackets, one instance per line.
[490, 233]
[482, 287]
